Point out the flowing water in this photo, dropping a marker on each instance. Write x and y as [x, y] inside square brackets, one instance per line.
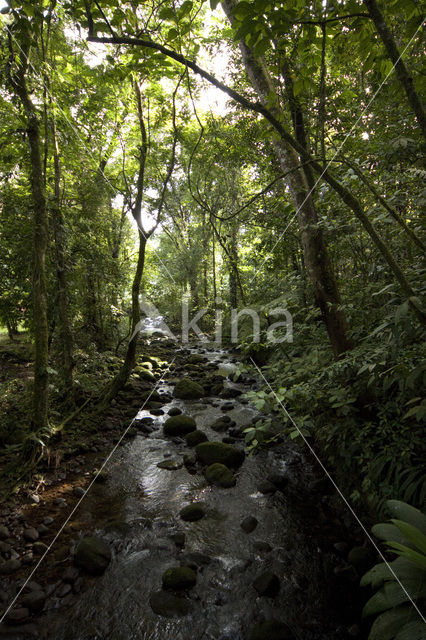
[137, 510]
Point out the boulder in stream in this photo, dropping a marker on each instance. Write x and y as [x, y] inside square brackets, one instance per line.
[267, 584]
[179, 425]
[93, 554]
[179, 578]
[188, 389]
[249, 524]
[219, 475]
[193, 512]
[210, 452]
[195, 437]
[167, 605]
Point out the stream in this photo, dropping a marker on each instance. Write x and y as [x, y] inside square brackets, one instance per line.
[137, 511]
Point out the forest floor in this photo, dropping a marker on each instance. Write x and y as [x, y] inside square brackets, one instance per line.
[45, 512]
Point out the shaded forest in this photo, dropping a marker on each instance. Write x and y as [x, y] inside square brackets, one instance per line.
[256, 168]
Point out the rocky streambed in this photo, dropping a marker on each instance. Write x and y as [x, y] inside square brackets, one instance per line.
[186, 537]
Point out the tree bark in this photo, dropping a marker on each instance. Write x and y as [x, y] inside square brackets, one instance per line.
[66, 338]
[316, 256]
[40, 240]
[395, 56]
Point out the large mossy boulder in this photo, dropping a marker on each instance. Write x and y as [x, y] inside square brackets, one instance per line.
[193, 512]
[210, 452]
[220, 476]
[271, 630]
[179, 578]
[188, 389]
[93, 555]
[179, 425]
[195, 437]
[145, 374]
[167, 605]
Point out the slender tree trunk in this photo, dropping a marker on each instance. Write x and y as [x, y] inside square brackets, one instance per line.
[40, 240]
[66, 338]
[401, 70]
[316, 256]
[130, 358]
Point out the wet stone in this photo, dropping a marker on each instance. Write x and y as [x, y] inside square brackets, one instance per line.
[168, 605]
[70, 575]
[170, 465]
[174, 411]
[4, 532]
[249, 524]
[195, 437]
[42, 529]
[179, 425]
[78, 491]
[10, 566]
[17, 616]
[48, 520]
[93, 554]
[220, 476]
[262, 547]
[178, 538]
[188, 389]
[267, 584]
[266, 487]
[179, 578]
[193, 512]
[31, 534]
[210, 452]
[34, 601]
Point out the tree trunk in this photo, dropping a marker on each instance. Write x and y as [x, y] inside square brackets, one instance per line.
[66, 339]
[130, 358]
[401, 70]
[40, 239]
[316, 256]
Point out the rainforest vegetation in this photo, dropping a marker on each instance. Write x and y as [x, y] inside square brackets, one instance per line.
[237, 155]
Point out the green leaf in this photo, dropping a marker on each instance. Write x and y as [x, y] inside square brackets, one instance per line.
[389, 596]
[262, 47]
[412, 534]
[185, 9]
[241, 9]
[406, 512]
[389, 623]
[387, 532]
[414, 630]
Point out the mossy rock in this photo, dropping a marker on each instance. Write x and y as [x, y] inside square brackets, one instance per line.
[196, 358]
[179, 578]
[144, 365]
[93, 554]
[170, 465]
[210, 452]
[271, 630]
[145, 374]
[193, 512]
[179, 425]
[188, 389]
[220, 476]
[220, 425]
[166, 604]
[174, 411]
[195, 437]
